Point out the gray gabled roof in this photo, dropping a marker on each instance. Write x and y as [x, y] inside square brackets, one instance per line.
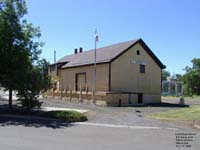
[104, 54]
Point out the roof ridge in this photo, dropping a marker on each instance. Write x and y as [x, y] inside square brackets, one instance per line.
[114, 44]
[87, 51]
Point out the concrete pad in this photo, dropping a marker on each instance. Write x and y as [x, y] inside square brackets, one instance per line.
[5, 95]
[63, 109]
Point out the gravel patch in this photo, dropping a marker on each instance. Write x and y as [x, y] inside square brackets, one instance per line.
[135, 116]
[132, 116]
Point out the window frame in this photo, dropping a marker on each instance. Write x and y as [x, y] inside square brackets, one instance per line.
[142, 68]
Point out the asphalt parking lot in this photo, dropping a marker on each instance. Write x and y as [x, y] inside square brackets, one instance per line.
[108, 128]
[33, 134]
[135, 116]
[125, 115]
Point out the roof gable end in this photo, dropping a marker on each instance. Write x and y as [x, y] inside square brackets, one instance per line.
[147, 49]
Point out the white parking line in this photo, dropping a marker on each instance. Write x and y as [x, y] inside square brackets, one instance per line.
[121, 126]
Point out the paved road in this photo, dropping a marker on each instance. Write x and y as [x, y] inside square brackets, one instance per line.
[23, 135]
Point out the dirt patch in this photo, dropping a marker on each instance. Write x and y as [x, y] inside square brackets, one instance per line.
[196, 124]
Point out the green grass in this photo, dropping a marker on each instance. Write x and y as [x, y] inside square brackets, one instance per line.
[182, 114]
[69, 116]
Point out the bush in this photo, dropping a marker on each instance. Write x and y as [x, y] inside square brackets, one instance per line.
[70, 116]
[191, 78]
[29, 101]
[36, 81]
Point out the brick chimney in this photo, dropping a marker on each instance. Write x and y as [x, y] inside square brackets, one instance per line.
[80, 50]
[75, 51]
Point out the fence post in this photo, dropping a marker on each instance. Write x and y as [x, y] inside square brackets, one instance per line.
[169, 88]
[176, 89]
[70, 94]
[80, 94]
[74, 88]
[65, 93]
[52, 93]
[86, 88]
[61, 93]
[92, 95]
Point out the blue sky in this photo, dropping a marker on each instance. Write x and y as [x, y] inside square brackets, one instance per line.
[171, 28]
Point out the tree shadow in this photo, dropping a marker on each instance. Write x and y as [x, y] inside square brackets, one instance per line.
[23, 118]
[30, 121]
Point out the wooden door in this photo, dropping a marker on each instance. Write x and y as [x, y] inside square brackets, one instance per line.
[80, 81]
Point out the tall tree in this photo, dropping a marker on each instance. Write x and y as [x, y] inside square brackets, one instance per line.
[45, 83]
[179, 77]
[165, 74]
[191, 78]
[18, 48]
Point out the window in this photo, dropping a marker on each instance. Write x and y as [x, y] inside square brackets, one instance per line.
[138, 52]
[142, 68]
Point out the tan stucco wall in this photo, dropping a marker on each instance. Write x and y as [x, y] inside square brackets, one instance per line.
[130, 99]
[126, 76]
[68, 77]
[53, 74]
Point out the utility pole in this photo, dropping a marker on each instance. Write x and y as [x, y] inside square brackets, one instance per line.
[54, 56]
[95, 57]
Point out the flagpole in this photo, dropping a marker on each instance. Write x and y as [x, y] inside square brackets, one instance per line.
[95, 56]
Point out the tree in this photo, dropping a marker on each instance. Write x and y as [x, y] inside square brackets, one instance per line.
[43, 67]
[165, 74]
[18, 48]
[191, 78]
[36, 82]
[179, 77]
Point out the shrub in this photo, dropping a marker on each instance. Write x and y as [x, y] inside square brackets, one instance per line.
[70, 116]
[29, 101]
[36, 81]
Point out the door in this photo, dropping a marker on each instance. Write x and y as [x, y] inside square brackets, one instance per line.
[80, 81]
[140, 98]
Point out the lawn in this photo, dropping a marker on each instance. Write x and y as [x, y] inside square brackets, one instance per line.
[184, 114]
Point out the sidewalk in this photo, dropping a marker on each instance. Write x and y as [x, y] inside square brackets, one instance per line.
[63, 109]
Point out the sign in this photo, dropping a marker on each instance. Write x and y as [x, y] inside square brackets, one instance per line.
[138, 62]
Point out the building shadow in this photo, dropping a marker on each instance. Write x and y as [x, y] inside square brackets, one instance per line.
[164, 104]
